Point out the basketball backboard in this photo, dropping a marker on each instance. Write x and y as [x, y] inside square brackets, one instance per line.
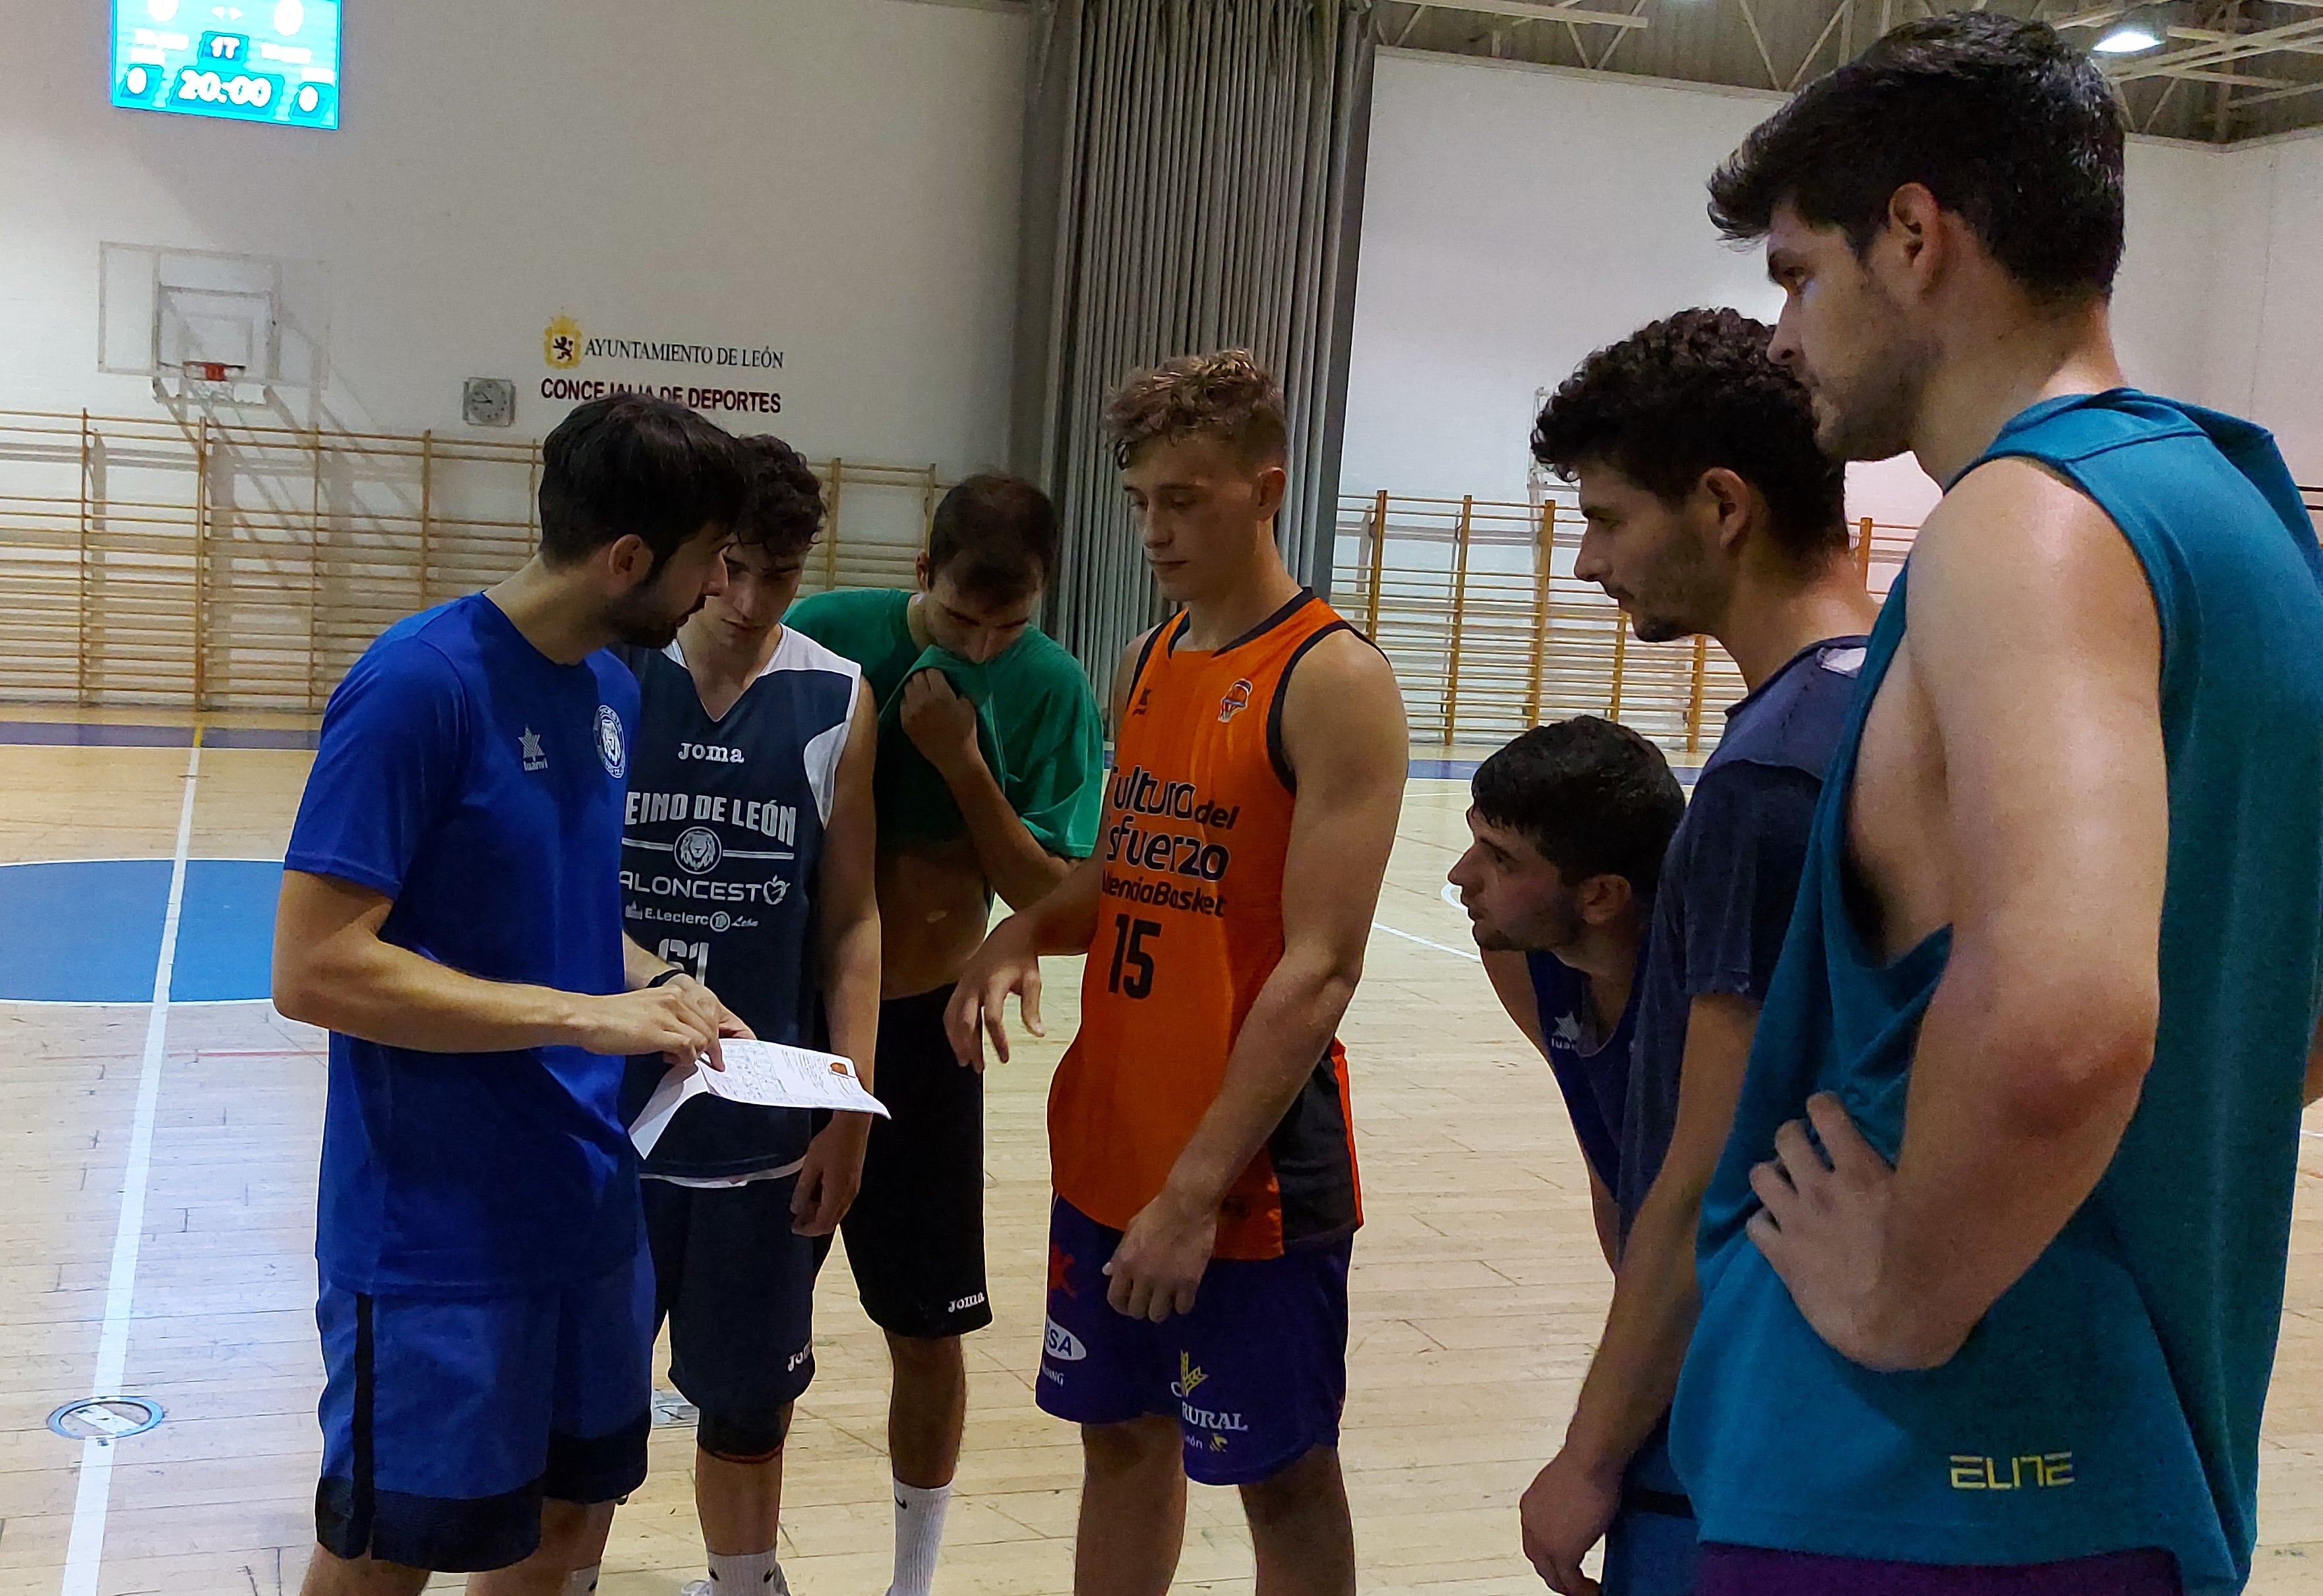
[213, 327]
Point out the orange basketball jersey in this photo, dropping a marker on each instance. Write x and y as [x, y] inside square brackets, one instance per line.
[1189, 927]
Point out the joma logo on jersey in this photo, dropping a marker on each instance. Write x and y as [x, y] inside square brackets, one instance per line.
[1236, 699]
[2041, 1470]
[712, 752]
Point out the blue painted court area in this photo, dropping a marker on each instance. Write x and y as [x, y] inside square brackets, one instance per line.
[90, 930]
[68, 734]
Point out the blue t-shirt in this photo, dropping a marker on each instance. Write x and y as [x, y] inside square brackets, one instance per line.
[2110, 1399]
[479, 784]
[1729, 881]
[1594, 1074]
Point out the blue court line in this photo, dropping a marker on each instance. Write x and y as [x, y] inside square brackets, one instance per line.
[258, 736]
[69, 734]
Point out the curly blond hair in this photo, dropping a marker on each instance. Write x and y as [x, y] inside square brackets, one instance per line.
[1226, 395]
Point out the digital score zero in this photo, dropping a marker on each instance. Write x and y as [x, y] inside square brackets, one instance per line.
[248, 60]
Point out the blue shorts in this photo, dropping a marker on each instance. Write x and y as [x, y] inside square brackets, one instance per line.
[1651, 1546]
[1255, 1376]
[445, 1423]
[1651, 1552]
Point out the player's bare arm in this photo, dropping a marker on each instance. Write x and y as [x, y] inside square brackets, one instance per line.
[1344, 737]
[1604, 1218]
[1061, 921]
[1656, 1300]
[847, 956]
[2034, 666]
[1514, 986]
[332, 969]
[640, 968]
[2314, 1068]
[942, 725]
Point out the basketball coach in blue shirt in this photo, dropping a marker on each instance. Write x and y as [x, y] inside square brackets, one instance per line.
[451, 913]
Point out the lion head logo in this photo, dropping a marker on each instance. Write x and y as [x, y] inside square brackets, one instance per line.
[697, 850]
[562, 344]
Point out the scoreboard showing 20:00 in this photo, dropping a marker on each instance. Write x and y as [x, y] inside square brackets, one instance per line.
[251, 60]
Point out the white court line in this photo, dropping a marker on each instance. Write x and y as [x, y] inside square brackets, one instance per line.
[1467, 953]
[86, 1550]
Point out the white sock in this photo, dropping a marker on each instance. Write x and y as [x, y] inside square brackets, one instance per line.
[582, 1582]
[753, 1573]
[919, 1531]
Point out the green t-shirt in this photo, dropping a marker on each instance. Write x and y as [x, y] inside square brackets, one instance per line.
[1037, 724]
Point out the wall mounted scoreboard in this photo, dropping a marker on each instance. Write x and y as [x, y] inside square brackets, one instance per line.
[250, 61]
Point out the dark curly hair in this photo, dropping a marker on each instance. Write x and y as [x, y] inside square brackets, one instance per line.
[1593, 798]
[784, 511]
[997, 536]
[634, 463]
[1226, 395]
[2001, 120]
[1689, 393]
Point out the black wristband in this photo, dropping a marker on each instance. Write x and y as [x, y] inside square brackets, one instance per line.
[665, 978]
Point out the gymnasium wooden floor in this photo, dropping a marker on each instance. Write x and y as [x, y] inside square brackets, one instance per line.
[1477, 1287]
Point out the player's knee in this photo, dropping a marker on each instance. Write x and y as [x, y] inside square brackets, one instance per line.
[1308, 1485]
[743, 1437]
[927, 1355]
[570, 1531]
[1138, 1446]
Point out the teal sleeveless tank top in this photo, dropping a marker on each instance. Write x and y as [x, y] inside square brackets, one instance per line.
[2110, 1399]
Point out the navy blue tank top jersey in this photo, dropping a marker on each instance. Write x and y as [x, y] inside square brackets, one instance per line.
[1729, 882]
[1592, 1074]
[722, 839]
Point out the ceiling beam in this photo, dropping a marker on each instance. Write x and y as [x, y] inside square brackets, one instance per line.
[2206, 75]
[2308, 31]
[1612, 44]
[2106, 14]
[1534, 11]
[1751, 21]
[2212, 36]
[2277, 93]
[1837, 14]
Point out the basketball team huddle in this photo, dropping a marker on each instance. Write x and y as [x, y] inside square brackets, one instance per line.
[1936, 1066]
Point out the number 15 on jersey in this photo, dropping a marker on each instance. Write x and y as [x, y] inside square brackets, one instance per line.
[1132, 975]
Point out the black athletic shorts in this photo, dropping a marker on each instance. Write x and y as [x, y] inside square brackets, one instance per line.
[738, 1288]
[915, 1236]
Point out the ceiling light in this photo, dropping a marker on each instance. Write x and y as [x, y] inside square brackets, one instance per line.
[2136, 33]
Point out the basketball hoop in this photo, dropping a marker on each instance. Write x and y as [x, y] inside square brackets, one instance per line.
[211, 380]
